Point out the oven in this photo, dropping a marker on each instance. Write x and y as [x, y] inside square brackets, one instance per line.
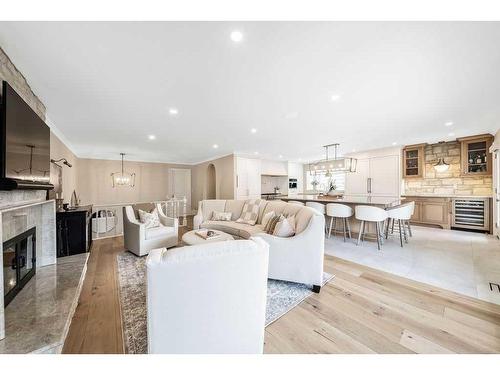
[292, 183]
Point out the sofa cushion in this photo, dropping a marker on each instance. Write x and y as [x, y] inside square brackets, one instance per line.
[276, 206]
[158, 232]
[148, 207]
[235, 207]
[149, 219]
[250, 213]
[211, 205]
[285, 227]
[303, 217]
[221, 216]
[233, 228]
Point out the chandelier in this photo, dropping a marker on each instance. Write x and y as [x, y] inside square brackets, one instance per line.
[123, 178]
[336, 164]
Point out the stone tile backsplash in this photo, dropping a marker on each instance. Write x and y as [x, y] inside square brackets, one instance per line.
[449, 182]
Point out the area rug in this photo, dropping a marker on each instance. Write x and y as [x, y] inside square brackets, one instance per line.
[282, 296]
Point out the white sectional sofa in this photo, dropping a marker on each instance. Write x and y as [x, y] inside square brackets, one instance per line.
[208, 299]
[298, 258]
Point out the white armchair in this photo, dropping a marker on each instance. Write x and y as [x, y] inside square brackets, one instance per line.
[140, 240]
[208, 299]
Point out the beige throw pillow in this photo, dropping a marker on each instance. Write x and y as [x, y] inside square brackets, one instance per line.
[250, 212]
[285, 227]
[150, 219]
[267, 217]
[221, 216]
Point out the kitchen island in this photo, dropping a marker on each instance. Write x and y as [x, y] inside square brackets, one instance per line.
[349, 200]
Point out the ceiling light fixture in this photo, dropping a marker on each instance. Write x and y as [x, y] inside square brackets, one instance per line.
[335, 97]
[123, 178]
[152, 137]
[451, 134]
[441, 165]
[256, 153]
[328, 165]
[449, 123]
[253, 130]
[236, 36]
[394, 143]
[280, 156]
[173, 111]
[215, 146]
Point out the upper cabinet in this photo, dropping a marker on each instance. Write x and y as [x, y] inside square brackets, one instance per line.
[274, 168]
[475, 155]
[413, 161]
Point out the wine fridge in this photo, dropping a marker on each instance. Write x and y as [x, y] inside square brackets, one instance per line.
[471, 213]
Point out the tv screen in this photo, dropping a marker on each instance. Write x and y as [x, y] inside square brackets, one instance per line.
[25, 140]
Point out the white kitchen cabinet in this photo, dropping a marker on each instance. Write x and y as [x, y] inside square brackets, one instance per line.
[375, 176]
[296, 170]
[274, 168]
[248, 181]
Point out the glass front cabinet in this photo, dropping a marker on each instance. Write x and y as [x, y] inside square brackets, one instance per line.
[475, 155]
[413, 161]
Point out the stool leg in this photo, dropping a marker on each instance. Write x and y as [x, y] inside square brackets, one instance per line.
[400, 233]
[330, 230]
[344, 228]
[409, 228]
[392, 229]
[348, 227]
[404, 232]
[387, 228]
[377, 224]
[361, 225]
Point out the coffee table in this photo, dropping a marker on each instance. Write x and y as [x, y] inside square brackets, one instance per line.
[191, 238]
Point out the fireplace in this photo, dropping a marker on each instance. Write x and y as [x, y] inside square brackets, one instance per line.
[19, 263]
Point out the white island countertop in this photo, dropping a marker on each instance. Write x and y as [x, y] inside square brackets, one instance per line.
[345, 199]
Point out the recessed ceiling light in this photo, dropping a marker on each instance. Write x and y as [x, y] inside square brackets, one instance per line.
[256, 152]
[335, 97]
[173, 111]
[152, 137]
[451, 134]
[280, 156]
[394, 143]
[215, 146]
[353, 150]
[236, 36]
[449, 123]
[253, 130]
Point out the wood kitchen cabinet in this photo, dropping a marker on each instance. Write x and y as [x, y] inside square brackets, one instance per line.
[431, 211]
[475, 155]
[413, 161]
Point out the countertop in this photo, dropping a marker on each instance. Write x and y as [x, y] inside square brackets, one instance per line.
[446, 196]
[346, 199]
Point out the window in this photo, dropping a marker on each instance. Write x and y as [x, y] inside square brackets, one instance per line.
[338, 179]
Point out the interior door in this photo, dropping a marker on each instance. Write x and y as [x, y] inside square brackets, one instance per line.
[384, 176]
[180, 185]
[356, 183]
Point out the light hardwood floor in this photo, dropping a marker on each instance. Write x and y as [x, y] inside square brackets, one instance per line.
[362, 310]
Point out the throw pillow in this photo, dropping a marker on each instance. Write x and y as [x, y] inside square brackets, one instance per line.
[285, 227]
[250, 212]
[272, 224]
[150, 219]
[267, 217]
[221, 216]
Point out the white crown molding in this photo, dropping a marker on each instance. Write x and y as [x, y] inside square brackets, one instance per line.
[60, 135]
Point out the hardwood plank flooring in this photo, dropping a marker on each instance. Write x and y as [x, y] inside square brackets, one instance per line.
[362, 310]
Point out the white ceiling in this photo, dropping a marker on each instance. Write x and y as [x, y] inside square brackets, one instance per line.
[107, 86]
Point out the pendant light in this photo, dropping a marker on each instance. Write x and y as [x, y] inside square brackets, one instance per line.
[441, 165]
[123, 178]
[336, 164]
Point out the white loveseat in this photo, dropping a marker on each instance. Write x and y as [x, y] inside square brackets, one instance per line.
[207, 299]
[140, 240]
[297, 259]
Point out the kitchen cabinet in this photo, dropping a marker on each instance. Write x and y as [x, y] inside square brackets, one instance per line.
[434, 211]
[413, 161]
[296, 170]
[375, 176]
[475, 155]
[248, 178]
[274, 168]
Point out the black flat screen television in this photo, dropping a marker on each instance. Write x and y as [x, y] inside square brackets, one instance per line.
[25, 144]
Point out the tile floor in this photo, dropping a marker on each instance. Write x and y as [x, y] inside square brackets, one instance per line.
[463, 262]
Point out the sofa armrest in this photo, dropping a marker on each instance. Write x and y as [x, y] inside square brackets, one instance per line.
[169, 221]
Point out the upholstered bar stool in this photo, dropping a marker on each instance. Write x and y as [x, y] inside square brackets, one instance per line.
[371, 214]
[402, 215]
[297, 203]
[339, 211]
[320, 207]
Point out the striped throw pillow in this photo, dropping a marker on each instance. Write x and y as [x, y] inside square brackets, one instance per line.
[250, 212]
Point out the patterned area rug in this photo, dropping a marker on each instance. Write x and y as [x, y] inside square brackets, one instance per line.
[282, 296]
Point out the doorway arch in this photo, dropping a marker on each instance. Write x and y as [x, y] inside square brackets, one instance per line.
[211, 178]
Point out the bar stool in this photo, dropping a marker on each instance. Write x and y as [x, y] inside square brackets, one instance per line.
[402, 214]
[320, 207]
[339, 211]
[297, 203]
[371, 214]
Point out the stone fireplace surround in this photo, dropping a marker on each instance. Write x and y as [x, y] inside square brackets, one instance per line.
[21, 210]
